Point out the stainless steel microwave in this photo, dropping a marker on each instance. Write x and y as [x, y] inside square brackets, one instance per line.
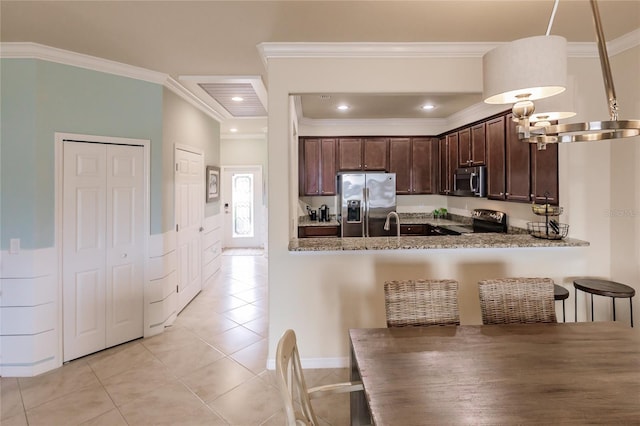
[470, 182]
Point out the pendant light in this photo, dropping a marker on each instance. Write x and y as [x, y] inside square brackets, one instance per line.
[521, 63]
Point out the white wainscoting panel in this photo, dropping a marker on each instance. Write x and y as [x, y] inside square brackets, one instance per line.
[160, 293]
[211, 247]
[29, 313]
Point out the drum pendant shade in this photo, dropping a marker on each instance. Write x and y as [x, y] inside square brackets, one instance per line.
[556, 107]
[529, 68]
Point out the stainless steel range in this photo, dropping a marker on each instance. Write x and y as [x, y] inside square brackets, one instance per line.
[483, 220]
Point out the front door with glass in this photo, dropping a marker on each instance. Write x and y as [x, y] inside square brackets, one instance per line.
[242, 206]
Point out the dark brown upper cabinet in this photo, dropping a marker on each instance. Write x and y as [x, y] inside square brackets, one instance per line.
[415, 163]
[399, 161]
[518, 171]
[424, 165]
[363, 154]
[544, 174]
[496, 158]
[376, 154]
[472, 146]
[518, 176]
[317, 166]
[350, 154]
[448, 156]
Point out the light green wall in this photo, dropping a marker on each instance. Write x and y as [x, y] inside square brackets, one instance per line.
[40, 98]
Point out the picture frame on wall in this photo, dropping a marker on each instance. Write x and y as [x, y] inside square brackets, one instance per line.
[212, 184]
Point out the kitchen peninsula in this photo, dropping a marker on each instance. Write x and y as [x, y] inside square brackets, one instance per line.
[467, 241]
[434, 238]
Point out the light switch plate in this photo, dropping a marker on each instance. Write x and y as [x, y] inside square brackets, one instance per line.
[14, 246]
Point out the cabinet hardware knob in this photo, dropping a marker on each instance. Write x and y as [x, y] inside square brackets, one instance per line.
[502, 193]
[124, 255]
[506, 193]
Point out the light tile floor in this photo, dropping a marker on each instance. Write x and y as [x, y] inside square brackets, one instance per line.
[208, 368]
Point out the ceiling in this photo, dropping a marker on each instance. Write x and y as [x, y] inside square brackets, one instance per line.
[210, 46]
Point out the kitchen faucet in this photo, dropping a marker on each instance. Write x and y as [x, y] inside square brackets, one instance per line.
[386, 223]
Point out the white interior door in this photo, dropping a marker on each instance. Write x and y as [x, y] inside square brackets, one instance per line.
[243, 208]
[124, 243]
[103, 260]
[189, 204]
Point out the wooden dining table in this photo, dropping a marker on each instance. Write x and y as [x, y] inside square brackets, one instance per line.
[566, 373]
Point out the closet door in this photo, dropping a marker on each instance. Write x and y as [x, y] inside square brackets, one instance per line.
[124, 245]
[103, 204]
[84, 252]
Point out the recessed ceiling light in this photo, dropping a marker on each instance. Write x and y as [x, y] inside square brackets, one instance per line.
[233, 130]
[237, 99]
[343, 107]
[428, 107]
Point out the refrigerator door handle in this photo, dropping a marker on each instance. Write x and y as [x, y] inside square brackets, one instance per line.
[365, 211]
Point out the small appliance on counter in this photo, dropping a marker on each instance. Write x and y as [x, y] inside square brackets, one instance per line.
[313, 214]
[324, 213]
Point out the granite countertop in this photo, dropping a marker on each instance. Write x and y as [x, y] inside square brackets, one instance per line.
[481, 240]
[306, 221]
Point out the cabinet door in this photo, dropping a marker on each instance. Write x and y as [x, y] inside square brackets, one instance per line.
[496, 170]
[376, 154]
[443, 152]
[452, 147]
[544, 174]
[423, 167]
[464, 148]
[328, 167]
[478, 145]
[311, 165]
[349, 154]
[400, 163]
[518, 164]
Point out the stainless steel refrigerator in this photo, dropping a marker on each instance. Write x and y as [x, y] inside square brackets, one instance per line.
[365, 201]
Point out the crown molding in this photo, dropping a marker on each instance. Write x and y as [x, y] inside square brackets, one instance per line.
[28, 50]
[625, 42]
[272, 50]
[279, 50]
[191, 98]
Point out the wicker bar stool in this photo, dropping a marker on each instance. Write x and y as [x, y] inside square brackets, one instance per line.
[413, 303]
[517, 300]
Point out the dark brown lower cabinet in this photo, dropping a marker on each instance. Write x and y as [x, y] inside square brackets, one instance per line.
[318, 231]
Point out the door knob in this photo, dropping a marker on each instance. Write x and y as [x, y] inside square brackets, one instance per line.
[201, 229]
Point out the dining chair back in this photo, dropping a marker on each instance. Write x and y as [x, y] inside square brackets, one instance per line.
[517, 301]
[293, 388]
[414, 303]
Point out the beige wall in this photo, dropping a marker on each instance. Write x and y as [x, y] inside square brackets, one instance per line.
[183, 124]
[322, 295]
[624, 209]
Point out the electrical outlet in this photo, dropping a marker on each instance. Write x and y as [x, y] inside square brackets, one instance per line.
[14, 246]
